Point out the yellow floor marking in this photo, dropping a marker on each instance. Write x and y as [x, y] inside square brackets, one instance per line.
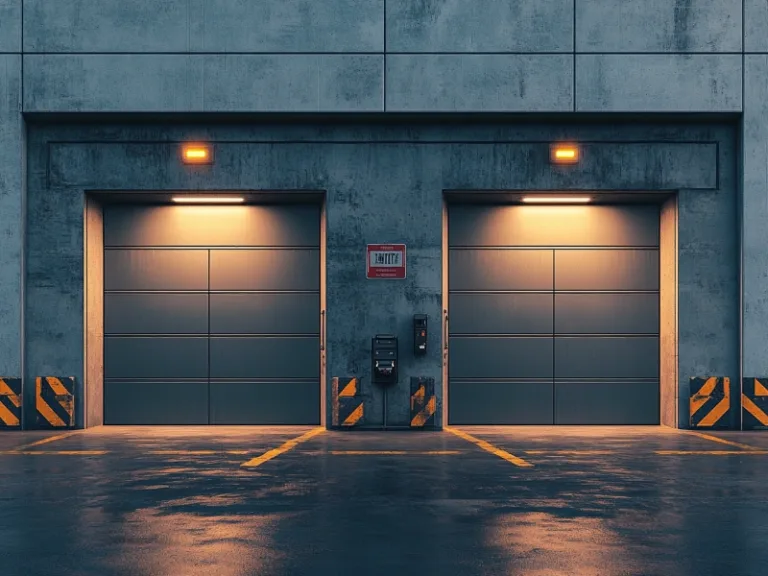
[47, 440]
[722, 440]
[196, 452]
[752, 452]
[503, 454]
[572, 452]
[54, 452]
[285, 447]
[393, 452]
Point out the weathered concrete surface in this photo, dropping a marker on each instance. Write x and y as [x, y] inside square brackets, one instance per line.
[212, 26]
[11, 161]
[669, 393]
[198, 83]
[755, 214]
[10, 25]
[658, 83]
[176, 501]
[479, 83]
[658, 26]
[755, 26]
[494, 26]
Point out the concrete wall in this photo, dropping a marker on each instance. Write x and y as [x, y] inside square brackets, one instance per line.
[383, 184]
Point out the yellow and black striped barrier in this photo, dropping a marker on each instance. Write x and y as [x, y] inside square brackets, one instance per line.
[754, 403]
[55, 402]
[346, 403]
[10, 403]
[710, 401]
[423, 402]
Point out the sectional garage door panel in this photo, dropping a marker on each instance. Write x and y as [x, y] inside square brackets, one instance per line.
[500, 270]
[156, 269]
[212, 298]
[156, 313]
[291, 269]
[265, 313]
[478, 402]
[501, 357]
[501, 313]
[155, 357]
[619, 402]
[607, 313]
[184, 226]
[525, 226]
[147, 403]
[563, 298]
[265, 402]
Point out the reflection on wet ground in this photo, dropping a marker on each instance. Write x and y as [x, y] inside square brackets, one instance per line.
[179, 501]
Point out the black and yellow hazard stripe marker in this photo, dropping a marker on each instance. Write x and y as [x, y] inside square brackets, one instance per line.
[754, 403]
[347, 408]
[55, 402]
[710, 401]
[10, 402]
[423, 402]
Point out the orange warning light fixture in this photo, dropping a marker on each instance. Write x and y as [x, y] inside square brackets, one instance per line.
[208, 199]
[557, 199]
[564, 154]
[197, 154]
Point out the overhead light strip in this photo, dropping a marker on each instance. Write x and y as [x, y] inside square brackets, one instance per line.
[208, 200]
[557, 199]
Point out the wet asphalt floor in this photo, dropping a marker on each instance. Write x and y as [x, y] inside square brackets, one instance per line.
[188, 501]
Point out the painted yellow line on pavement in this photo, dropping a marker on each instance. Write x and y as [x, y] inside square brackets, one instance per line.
[722, 440]
[197, 452]
[572, 452]
[488, 447]
[49, 439]
[54, 452]
[393, 452]
[712, 452]
[285, 447]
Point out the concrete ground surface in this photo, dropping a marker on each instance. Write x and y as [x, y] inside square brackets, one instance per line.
[232, 501]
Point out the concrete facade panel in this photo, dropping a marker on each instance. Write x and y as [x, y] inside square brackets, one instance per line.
[199, 83]
[658, 26]
[11, 167]
[500, 26]
[479, 83]
[755, 26]
[10, 25]
[658, 83]
[215, 26]
[755, 214]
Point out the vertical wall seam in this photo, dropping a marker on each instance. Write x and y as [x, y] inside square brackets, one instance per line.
[384, 64]
[23, 223]
[573, 85]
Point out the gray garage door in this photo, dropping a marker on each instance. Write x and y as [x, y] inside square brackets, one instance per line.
[211, 314]
[554, 314]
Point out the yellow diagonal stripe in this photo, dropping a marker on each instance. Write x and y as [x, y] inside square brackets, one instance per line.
[490, 448]
[5, 390]
[58, 388]
[760, 390]
[48, 413]
[753, 409]
[717, 412]
[353, 418]
[418, 395]
[8, 417]
[284, 447]
[421, 418]
[700, 398]
[349, 390]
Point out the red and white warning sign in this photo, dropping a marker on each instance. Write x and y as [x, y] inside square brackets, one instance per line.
[385, 261]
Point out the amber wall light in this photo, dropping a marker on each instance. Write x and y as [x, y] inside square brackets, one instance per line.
[208, 199]
[557, 199]
[564, 154]
[197, 154]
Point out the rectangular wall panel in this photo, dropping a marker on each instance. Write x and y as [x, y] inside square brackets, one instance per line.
[607, 402]
[156, 314]
[155, 270]
[607, 270]
[479, 402]
[244, 357]
[607, 357]
[500, 269]
[155, 357]
[501, 313]
[147, 403]
[265, 403]
[500, 357]
[265, 313]
[292, 269]
[607, 313]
